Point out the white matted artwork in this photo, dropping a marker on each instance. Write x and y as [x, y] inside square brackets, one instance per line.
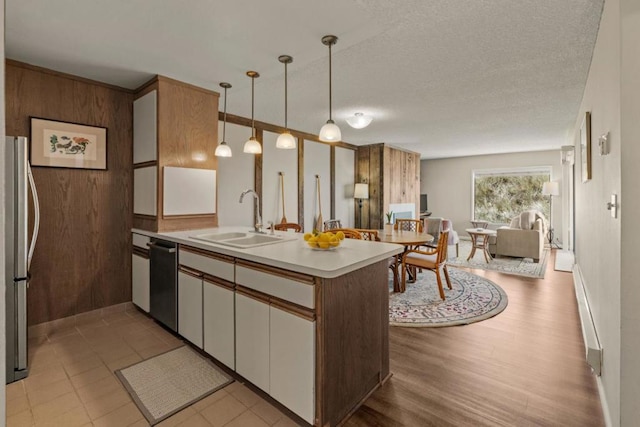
[189, 191]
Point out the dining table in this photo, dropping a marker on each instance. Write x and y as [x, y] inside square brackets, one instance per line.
[409, 239]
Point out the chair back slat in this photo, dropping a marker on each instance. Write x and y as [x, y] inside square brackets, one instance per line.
[288, 226]
[368, 234]
[331, 224]
[406, 224]
[349, 233]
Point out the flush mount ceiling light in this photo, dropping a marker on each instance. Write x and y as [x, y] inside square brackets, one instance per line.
[285, 139]
[252, 146]
[359, 121]
[223, 150]
[330, 132]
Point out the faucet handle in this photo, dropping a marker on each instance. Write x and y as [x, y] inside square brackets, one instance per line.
[271, 227]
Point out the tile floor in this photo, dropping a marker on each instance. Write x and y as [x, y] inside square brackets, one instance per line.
[71, 381]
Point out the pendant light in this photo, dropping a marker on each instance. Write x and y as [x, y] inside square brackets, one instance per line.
[285, 140]
[223, 150]
[330, 132]
[252, 146]
[359, 121]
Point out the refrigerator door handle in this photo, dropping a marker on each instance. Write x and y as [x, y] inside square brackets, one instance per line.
[36, 209]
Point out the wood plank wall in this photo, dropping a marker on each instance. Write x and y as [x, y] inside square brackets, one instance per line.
[82, 259]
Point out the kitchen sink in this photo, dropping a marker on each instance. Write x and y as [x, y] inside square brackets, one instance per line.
[243, 240]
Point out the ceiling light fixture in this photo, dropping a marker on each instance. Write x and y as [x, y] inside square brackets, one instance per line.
[285, 140]
[252, 146]
[359, 121]
[223, 150]
[330, 132]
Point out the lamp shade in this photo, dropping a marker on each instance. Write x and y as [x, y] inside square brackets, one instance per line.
[330, 132]
[223, 150]
[361, 191]
[359, 121]
[550, 188]
[286, 141]
[252, 146]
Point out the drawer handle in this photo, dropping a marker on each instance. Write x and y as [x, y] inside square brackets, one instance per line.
[162, 248]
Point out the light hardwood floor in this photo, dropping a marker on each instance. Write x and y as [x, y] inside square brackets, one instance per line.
[524, 367]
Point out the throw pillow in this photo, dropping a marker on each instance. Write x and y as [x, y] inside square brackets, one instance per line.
[526, 220]
[515, 222]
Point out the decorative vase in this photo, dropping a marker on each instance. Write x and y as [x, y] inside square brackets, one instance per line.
[388, 229]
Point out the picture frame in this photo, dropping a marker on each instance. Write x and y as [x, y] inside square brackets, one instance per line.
[59, 144]
[585, 147]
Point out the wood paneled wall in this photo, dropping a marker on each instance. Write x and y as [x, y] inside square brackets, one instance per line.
[82, 259]
[393, 176]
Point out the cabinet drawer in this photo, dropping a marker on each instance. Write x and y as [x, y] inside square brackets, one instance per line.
[140, 241]
[288, 289]
[207, 264]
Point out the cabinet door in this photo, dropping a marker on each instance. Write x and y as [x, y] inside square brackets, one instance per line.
[145, 188]
[140, 281]
[219, 328]
[190, 308]
[292, 362]
[145, 128]
[252, 340]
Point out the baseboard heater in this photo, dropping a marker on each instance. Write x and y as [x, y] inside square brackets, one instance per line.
[589, 334]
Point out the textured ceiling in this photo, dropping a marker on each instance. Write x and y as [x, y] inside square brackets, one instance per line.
[445, 78]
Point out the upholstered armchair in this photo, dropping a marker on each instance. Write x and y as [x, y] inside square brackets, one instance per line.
[523, 238]
[435, 226]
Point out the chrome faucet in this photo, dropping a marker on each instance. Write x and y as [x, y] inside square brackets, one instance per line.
[258, 225]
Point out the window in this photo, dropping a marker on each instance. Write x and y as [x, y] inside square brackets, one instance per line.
[500, 194]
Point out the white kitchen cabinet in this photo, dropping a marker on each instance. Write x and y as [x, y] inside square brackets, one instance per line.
[145, 128]
[252, 340]
[190, 307]
[292, 362]
[145, 190]
[140, 281]
[219, 324]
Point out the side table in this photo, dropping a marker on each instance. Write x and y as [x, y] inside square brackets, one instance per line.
[480, 240]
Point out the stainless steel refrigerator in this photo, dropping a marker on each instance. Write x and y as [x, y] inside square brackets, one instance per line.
[19, 250]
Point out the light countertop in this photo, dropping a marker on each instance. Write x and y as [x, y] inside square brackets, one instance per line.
[293, 255]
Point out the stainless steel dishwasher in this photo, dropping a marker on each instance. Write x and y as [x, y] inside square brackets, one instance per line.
[164, 282]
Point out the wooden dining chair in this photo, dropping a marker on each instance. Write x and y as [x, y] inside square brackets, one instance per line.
[330, 224]
[349, 233]
[368, 234]
[285, 226]
[433, 260]
[405, 224]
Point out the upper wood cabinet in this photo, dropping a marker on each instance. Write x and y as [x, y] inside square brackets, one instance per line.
[145, 128]
[175, 125]
[393, 176]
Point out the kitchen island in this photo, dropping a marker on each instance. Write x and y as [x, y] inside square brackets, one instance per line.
[309, 328]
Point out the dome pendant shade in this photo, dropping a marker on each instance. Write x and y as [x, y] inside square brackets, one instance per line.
[330, 132]
[223, 149]
[286, 141]
[252, 146]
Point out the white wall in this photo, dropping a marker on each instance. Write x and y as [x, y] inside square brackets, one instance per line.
[344, 186]
[3, 337]
[448, 183]
[600, 262]
[630, 155]
[275, 160]
[317, 161]
[235, 174]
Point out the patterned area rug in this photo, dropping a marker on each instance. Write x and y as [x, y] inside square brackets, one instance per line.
[165, 384]
[472, 299]
[508, 265]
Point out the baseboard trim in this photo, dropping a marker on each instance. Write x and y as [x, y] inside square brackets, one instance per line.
[588, 336]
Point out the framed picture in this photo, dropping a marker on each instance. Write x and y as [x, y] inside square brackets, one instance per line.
[67, 145]
[585, 147]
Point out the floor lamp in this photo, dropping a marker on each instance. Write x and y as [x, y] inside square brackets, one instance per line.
[551, 188]
[361, 192]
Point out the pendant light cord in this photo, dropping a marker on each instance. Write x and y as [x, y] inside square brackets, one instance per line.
[253, 127]
[286, 127]
[330, 91]
[224, 122]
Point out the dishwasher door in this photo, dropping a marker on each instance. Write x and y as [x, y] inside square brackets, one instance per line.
[163, 302]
